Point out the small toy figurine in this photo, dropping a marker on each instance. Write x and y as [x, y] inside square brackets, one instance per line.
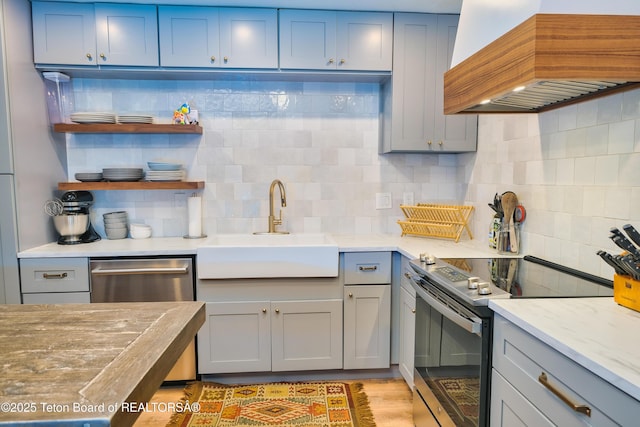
[181, 115]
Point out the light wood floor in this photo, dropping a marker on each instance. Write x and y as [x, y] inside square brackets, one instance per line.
[390, 401]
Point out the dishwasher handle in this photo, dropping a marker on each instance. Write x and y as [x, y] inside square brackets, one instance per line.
[99, 271]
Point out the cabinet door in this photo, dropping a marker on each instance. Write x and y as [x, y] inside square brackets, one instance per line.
[63, 33]
[307, 39]
[414, 72]
[414, 120]
[511, 409]
[306, 335]
[188, 36]
[456, 132]
[407, 335]
[249, 38]
[235, 338]
[364, 41]
[367, 326]
[126, 34]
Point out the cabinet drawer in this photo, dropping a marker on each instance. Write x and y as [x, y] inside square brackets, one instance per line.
[367, 268]
[521, 359]
[54, 275]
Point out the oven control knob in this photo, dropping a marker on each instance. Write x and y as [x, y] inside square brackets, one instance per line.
[484, 288]
[472, 282]
[427, 259]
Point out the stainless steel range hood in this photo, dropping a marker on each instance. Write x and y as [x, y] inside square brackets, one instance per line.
[548, 61]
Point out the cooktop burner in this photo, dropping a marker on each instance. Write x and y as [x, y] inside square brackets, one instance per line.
[528, 277]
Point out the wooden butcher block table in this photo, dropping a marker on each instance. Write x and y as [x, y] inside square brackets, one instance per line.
[88, 364]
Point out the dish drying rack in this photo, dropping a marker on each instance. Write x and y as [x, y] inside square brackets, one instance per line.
[434, 220]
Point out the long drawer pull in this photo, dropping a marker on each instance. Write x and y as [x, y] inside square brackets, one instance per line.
[150, 270]
[54, 275]
[370, 268]
[583, 409]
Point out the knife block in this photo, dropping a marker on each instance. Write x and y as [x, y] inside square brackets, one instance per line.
[626, 291]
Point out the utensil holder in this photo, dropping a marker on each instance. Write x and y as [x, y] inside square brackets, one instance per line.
[504, 238]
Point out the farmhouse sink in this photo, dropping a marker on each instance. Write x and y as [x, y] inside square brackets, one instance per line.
[237, 256]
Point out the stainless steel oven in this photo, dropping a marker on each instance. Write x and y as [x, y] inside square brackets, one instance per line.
[453, 341]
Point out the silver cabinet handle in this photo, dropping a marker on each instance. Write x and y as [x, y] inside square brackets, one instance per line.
[368, 268]
[583, 409]
[54, 275]
[98, 271]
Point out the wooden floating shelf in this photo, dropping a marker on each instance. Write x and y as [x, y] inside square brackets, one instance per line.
[125, 128]
[131, 185]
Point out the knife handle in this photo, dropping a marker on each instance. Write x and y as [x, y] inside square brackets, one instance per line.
[632, 233]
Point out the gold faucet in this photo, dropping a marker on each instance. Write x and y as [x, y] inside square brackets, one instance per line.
[273, 221]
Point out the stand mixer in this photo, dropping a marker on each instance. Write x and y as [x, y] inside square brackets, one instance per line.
[75, 210]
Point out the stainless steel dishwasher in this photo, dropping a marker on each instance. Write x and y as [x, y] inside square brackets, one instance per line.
[148, 280]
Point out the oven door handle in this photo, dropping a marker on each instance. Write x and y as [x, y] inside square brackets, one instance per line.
[473, 324]
[99, 271]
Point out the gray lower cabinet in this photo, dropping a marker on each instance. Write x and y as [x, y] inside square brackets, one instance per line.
[413, 99]
[93, 35]
[407, 326]
[367, 325]
[54, 280]
[535, 385]
[367, 309]
[259, 336]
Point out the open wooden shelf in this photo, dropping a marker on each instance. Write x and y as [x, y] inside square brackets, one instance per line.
[131, 185]
[125, 128]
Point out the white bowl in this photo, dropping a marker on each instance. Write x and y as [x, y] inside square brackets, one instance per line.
[140, 232]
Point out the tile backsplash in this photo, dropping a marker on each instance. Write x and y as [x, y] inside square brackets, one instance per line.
[575, 169]
[320, 139]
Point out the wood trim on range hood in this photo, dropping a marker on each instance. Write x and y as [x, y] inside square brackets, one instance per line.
[558, 58]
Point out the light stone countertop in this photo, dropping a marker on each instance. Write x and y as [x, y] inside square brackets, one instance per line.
[411, 247]
[596, 333]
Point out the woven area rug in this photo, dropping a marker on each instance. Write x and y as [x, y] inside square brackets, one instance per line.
[325, 404]
[460, 397]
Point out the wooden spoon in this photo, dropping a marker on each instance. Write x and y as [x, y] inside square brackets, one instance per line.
[509, 203]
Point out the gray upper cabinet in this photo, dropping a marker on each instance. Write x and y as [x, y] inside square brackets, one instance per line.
[413, 99]
[64, 33]
[249, 38]
[100, 34]
[127, 34]
[327, 40]
[212, 37]
[202, 46]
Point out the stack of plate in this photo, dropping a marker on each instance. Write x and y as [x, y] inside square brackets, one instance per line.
[135, 118]
[116, 225]
[165, 175]
[165, 171]
[122, 174]
[89, 176]
[93, 117]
